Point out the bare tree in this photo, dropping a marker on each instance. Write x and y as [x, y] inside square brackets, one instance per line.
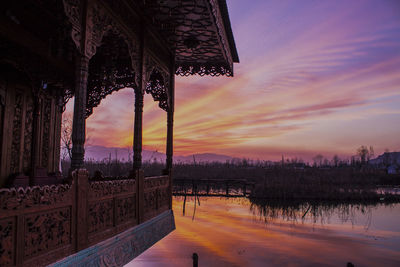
[365, 154]
[66, 136]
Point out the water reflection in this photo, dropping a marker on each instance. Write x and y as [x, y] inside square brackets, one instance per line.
[314, 212]
[233, 232]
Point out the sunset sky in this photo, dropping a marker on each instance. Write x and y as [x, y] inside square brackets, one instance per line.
[314, 77]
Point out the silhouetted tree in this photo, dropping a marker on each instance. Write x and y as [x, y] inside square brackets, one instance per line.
[66, 137]
[365, 154]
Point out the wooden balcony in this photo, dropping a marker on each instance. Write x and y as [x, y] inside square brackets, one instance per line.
[40, 225]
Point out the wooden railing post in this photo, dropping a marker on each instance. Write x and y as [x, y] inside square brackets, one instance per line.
[81, 181]
[139, 176]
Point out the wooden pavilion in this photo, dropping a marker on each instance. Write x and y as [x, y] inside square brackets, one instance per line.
[52, 50]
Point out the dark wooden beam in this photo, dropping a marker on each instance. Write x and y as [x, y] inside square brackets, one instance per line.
[16, 34]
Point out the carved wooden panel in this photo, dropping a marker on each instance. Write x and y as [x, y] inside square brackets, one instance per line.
[125, 209]
[16, 132]
[150, 201]
[153, 182]
[109, 188]
[22, 198]
[163, 198]
[156, 195]
[28, 134]
[46, 119]
[100, 216]
[47, 231]
[7, 242]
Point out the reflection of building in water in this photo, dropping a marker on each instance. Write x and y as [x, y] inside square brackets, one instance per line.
[87, 49]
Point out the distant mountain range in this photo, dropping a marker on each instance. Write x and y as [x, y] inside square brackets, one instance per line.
[388, 157]
[100, 153]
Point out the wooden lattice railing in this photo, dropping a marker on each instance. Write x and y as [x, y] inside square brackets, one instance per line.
[39, 225]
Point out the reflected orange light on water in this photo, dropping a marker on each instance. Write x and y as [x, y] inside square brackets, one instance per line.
[225, 232]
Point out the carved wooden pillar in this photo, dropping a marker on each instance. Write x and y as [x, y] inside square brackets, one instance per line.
[170, 119]
[36, 154]
[79, 122]
[139, 94]
[170, 130]
[137, 135]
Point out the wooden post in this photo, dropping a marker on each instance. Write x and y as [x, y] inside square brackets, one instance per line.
[137, 134]
[81, 182]
[79, 122]
[170, 127]
[170, 132]
[170, 116]
[36, 137]
[20, 240]
[139, 176]
[139, 94]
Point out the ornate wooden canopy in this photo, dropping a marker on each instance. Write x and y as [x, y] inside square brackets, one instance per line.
[198, 32]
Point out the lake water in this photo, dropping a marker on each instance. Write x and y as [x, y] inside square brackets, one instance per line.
[233, 232]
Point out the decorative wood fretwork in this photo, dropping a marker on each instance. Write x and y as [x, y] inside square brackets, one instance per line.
[155, 182]
[156, 195]
[46, 231]
[204, 69]
[46, 119]
[22, 198]
[7, 242]
[110, 188]
[125, 209]
[17, 131]
[55, 219]
[197, 34]
[112, 207]
[28, 135]
[109, 70]
[100, 216]
[157, 86]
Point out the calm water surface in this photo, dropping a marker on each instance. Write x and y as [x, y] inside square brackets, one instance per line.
[233, 232]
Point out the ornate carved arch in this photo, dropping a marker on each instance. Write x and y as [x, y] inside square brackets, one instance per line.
[156, 82]
[109, 70]
[114, 55]
[98, 23]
